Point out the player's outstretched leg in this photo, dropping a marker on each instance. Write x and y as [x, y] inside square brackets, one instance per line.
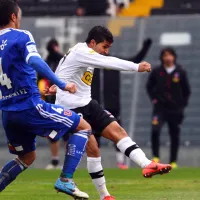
[125, 144]
[13, 168]
[75, 150]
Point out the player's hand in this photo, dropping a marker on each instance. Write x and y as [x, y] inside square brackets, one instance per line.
[50, 91]
[71, 88]
[144, 67]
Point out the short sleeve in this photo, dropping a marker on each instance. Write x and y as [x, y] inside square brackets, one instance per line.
[27, 46]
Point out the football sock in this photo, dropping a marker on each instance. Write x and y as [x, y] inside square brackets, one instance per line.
[74, 153]
[95, 170]
[55, 160]
[10, 171]
[132, 150]
[120, 157]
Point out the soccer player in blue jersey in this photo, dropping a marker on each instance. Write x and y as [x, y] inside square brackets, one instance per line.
[24, 114]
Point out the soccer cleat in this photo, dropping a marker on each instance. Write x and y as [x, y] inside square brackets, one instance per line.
[109, 198]
[122, 166]
[71, 189]
[156, 159]
[156, 168]
[174, 165]
[52, 167]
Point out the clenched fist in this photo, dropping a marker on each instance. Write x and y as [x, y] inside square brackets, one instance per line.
[71, 88]
[144, 67]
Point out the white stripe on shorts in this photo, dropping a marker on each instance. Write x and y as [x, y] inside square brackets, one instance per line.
[55, 117]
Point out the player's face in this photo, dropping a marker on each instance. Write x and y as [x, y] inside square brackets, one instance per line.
[102, 47]
[168, 59]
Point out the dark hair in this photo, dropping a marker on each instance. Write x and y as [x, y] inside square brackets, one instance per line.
[7, 8]
[53, 42]
[99, 34]
[169, 50]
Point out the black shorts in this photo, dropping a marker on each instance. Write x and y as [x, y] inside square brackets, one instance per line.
[96, 116]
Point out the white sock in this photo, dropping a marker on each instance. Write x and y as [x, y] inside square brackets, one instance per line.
[132, 150]
[95, 170]
[120, 157]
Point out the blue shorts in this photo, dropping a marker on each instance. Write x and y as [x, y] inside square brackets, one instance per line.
[45, 120]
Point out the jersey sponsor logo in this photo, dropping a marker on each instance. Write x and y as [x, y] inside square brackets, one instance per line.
[87, 78]
[68, 112]
[176, 78]
[2, 46]
[92, 52]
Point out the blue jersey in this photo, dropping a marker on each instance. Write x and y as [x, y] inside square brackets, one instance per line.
[18, 82]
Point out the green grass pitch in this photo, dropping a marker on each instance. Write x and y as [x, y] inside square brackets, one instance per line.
[180, 184]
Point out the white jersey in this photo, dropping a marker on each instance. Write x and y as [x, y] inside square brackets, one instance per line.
[78, 67]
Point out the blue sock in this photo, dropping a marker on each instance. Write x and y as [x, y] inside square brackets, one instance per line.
[9, 173]
[75, 151]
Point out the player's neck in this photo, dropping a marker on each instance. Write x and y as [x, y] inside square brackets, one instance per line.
[10, 25]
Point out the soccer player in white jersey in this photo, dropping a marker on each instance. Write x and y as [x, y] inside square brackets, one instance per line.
[78, 67]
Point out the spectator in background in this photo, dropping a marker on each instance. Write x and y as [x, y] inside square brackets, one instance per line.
[120, 5]
[92, 7]
[169, 91]
[111, 100]
[53, 58]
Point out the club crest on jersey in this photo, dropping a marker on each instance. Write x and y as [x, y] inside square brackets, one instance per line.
[87, 77]
[176, 77]
[155, 121]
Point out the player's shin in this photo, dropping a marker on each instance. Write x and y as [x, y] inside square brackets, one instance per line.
[10, 171]
[74, 153]
[132, 150]
[95, 170]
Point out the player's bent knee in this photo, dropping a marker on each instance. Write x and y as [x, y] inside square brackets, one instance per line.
[28, 158]
[114, 132]
[83, 125]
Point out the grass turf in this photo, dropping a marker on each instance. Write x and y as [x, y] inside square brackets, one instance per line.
[180, 184]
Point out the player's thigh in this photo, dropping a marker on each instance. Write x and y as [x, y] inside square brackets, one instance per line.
[92, 149]
[83, 125]
[98, 117]
[114, 132]
[20, 140]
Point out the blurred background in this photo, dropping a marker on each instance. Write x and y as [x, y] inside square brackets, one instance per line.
[134, 24]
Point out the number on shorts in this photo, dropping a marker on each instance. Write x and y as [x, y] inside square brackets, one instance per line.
[58, 110]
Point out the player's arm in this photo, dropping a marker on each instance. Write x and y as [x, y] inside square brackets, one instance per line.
[90, 58]
[32, 57]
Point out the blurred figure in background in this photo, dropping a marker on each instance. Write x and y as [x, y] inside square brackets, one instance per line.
[92, 7]
[111, 100]
[169, 90]
[53, 58]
